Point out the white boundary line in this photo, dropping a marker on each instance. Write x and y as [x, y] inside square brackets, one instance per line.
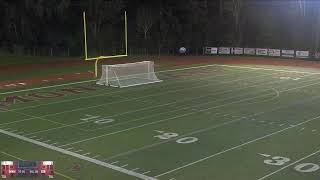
[80, 82]
[183, 115]
[170, 70]
[293, 163]
[236, 147]
[79, 156]
[266, 69]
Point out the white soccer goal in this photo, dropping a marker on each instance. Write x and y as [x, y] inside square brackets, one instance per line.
[129, 74]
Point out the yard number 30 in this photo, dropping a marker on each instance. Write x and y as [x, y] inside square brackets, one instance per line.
[304, 167]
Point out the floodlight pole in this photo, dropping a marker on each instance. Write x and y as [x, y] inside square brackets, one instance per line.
[85, 35]
[126, 31]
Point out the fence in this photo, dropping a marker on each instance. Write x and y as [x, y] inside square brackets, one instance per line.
[284, 53]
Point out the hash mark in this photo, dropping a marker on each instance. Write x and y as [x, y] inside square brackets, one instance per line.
[115, 162]
[78, 150]
[86, 154]
[159, 131]
[264, 155]
[124, 165]
[146, 172]
[135, 169]
[96, 156]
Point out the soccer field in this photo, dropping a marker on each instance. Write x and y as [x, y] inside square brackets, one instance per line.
[209, 122]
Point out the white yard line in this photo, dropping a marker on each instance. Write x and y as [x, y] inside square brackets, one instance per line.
[201, 131]
[42, 118]
[152, 107]
[183, 115]
[117, 92]
[285, 167]
[28, 119]
[46, 87]
[79, 156]
[236, 147]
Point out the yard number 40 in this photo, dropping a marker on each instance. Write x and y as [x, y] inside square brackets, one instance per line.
[169, 135]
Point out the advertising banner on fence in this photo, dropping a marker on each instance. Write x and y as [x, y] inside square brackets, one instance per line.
[237, 51]
[302, 54]
[211, 50]
[274, 52]
[250, 51]
[261, 52]
[287, 53]
[224, 50]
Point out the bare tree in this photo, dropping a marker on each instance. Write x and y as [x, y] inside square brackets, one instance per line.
[237, 15]
[221, 8]
[145, 20]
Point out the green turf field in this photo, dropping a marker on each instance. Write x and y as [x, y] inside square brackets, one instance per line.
[210, 122]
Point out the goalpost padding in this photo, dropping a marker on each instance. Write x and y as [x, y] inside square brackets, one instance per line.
[129, 74]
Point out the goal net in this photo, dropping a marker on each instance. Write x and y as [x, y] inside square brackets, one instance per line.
[129, 74]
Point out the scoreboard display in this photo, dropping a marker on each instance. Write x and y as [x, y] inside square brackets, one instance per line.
[11, 169]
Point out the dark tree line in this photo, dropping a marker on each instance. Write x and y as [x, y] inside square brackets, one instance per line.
[28, 25]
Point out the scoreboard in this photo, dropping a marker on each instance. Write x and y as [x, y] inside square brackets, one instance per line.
[27, 169]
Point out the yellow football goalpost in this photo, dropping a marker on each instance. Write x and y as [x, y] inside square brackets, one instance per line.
[103, 57]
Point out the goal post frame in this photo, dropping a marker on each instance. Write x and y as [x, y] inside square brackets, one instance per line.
[96, 59]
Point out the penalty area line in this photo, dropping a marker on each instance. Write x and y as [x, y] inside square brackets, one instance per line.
[79, 156]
